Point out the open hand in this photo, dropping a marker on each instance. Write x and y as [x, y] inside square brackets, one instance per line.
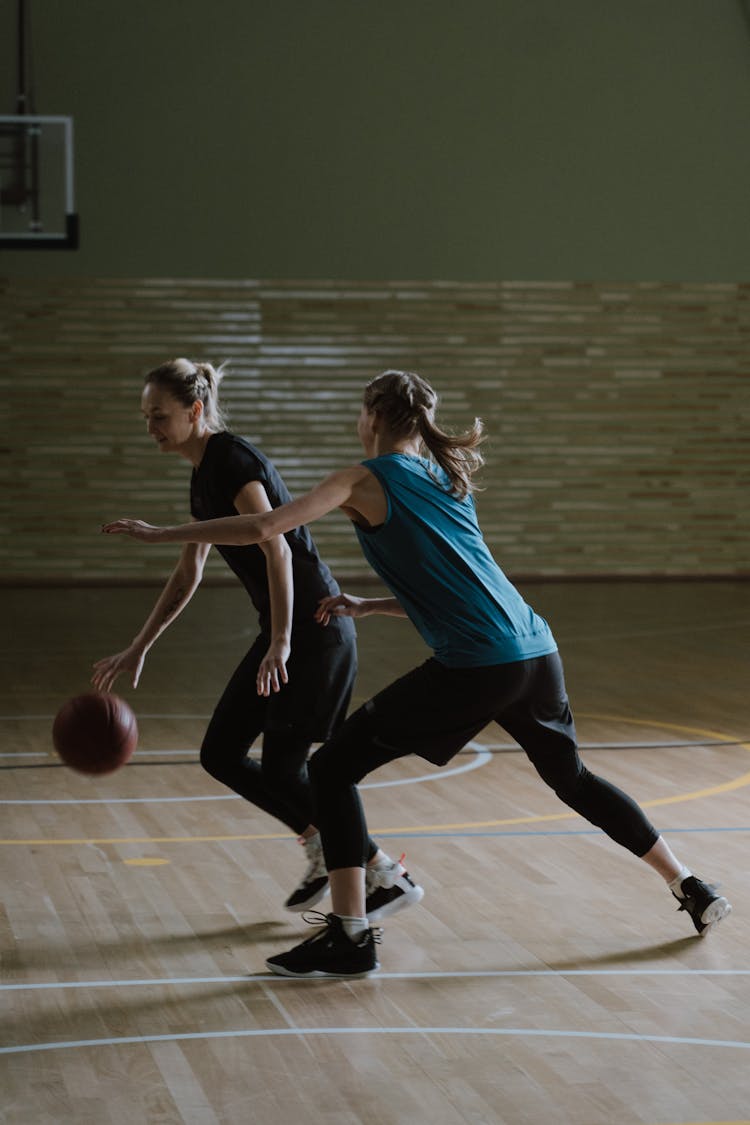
[109, 668]
[272, 674]
[340, 605]
[136, 529]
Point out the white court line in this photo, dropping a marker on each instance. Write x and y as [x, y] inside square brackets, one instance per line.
[191, 751]
[24, 754]
[256, 1033]
[461, 974]
[141, 715]
[482, 757]
[262, 979]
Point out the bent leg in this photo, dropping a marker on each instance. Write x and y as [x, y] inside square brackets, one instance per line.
[281, 790]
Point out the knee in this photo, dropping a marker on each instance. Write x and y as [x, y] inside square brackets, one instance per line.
[219, 753]
[209, 758]
[347, 756]
[334, 764]
[566, 777]
[318, 769]
[282, 772]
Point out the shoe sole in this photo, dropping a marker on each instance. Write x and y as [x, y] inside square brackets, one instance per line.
[320, 973]
[714, 913]
[300, 907]
[408, 898]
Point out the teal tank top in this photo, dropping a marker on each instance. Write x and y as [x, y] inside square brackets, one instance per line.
[431, 554]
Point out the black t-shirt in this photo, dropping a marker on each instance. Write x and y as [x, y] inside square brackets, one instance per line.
[230, 462]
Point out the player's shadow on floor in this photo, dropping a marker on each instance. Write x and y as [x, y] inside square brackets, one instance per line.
[659, 951]
[157, 1009]
[118, 953]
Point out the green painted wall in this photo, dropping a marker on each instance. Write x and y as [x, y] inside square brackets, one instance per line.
[489, 139]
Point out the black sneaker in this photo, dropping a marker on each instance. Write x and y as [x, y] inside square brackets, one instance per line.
[388, 889]
[702, 903]
[314, 882]
[329, 953]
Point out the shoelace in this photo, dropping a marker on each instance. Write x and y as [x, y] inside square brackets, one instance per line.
[316, 918]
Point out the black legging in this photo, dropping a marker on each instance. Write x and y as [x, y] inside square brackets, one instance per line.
[279, 782]
[533, 709]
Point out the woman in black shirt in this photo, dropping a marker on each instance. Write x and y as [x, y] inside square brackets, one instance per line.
[294, 684]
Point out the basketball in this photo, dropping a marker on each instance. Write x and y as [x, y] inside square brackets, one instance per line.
[95, 733]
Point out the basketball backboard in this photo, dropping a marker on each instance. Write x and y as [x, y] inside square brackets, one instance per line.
[37, 198]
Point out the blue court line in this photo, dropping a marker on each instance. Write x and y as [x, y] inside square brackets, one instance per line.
[414, 833]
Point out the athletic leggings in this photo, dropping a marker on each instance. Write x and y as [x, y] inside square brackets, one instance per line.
[315, 698]
[433, 712]
[278, 783]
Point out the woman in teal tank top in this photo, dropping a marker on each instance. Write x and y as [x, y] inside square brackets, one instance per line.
[495, 659]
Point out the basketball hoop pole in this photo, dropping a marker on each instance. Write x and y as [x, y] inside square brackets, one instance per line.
[24, 98]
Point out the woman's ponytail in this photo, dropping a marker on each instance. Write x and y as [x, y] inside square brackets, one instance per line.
[407, 403]
[190, 382]
[457, 454]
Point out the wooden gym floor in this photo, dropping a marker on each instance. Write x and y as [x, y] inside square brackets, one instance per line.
[547, 976]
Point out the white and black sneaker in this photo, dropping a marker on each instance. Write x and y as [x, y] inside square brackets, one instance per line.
[703, 903]
[389, 889]
[315, 880]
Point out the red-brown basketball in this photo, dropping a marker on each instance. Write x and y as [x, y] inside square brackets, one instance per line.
[95, 733]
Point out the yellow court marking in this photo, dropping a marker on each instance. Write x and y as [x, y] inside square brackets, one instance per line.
[713, 735]
[711, 791]
[146, 861]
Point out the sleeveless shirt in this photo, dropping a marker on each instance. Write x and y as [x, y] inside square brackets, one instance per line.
[431, 554]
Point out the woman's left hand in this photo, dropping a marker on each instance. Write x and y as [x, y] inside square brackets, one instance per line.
[136, 529]
[272, 672]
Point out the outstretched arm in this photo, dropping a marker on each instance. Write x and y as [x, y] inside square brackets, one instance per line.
[179, 589]
[347, 488]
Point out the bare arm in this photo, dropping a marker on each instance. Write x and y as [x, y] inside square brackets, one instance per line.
[253, 500]
[355, 489]
[347, 605]
[178, 590]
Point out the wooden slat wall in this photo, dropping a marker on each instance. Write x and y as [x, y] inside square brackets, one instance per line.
[617, 413]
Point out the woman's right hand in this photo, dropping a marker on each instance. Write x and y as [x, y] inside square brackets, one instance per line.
[341, 605]
[109, 668]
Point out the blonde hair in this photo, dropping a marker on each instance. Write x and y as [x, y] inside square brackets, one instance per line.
[407, 404]
[190, 382]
